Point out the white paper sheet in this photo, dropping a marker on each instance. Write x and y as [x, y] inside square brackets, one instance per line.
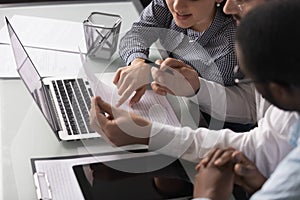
[46, 33]
[61, 177]
[152, 106]
[48, 63]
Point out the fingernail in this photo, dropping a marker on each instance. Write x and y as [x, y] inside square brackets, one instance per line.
[217, 162]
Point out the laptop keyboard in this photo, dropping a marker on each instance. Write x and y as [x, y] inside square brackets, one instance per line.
[74, 100]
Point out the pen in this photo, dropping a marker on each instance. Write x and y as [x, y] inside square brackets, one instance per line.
[153, 64]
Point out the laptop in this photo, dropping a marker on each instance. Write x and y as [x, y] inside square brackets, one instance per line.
[64, 102]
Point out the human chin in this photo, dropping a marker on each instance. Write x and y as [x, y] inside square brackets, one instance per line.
[182, 24]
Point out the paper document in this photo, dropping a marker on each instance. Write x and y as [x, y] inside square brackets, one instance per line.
[152, 106]
[48, 63]
[47, 33]
[60, 175]
[52, 45]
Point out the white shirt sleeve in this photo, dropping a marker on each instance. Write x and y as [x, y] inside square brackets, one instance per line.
[284, 182]
[232, 103]
[266, 145]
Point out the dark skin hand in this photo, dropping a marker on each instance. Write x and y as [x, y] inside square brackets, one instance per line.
[214, 182]
[246, 173]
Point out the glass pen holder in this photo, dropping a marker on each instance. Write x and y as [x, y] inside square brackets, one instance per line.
[101, 31]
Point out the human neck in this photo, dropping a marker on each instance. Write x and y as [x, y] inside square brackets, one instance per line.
[205, 23]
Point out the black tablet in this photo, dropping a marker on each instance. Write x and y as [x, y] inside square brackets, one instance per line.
[151, 177]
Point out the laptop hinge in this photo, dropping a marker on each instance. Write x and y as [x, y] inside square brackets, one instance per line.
[53, 111]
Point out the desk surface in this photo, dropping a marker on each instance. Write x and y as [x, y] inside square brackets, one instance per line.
[24, 131]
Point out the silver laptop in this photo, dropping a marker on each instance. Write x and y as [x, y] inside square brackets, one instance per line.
[64, 102]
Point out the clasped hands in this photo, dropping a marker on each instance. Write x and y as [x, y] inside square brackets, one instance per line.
[184, 80]
[220, 169]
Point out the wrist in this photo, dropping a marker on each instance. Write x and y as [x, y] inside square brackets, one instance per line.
[137, 61]
[145, 130]
[208, 193]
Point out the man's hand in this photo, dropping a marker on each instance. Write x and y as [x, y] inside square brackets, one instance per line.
[118, 127]
[246, 173]
[183, 82]
[132, 78]
[214, 182]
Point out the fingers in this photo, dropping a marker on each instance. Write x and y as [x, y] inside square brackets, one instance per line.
[126, 94]
[104, 106]
[244, 165]
[124, 91]
[117, 76]
[123, 83]
[99, 122]
[97, 119]
[159, 89]
[207, 158]
[225, 157]
[130, 79]
[219, 153]
[173, 63]
[243, 170]
[158, 62]
[239, 157]
[162, 78]
[217, 157]
[123, 79]
[138, 95]
[248, 177]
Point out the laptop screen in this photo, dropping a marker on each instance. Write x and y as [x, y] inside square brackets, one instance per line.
[30, 75]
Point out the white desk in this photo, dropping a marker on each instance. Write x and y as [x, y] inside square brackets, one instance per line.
[24, 131]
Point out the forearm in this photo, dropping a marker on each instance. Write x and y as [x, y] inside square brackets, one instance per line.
[192, 145]
[232, 104]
